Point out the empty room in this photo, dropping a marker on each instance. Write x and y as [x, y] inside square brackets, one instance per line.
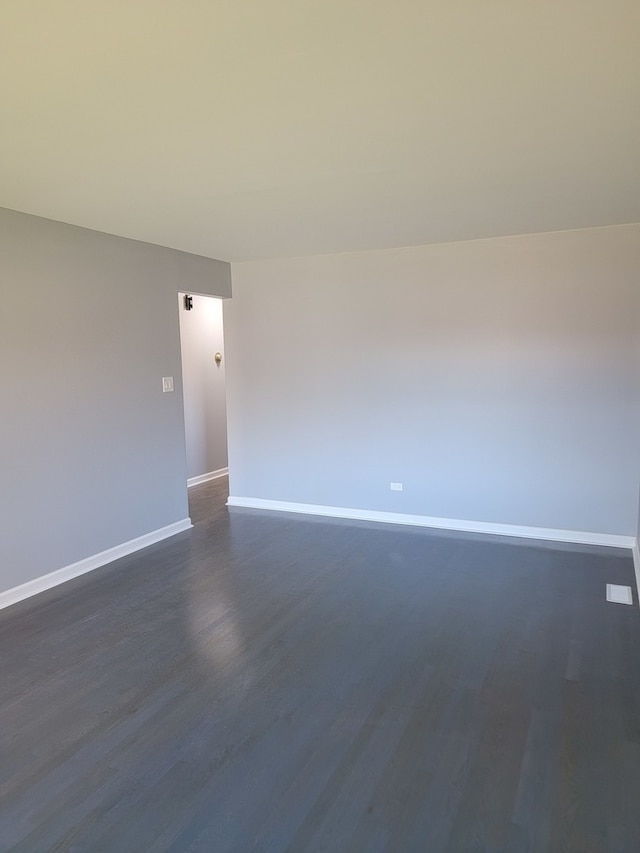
[394, 606]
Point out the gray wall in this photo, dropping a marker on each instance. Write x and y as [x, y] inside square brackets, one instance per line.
[92, 451]
[637, 397]
[496, 379]
[205, 410]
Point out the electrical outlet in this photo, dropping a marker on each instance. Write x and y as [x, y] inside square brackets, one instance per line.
[395, 487]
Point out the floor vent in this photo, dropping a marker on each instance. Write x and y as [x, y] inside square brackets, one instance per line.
[619, 594]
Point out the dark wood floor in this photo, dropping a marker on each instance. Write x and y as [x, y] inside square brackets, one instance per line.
[271, 682]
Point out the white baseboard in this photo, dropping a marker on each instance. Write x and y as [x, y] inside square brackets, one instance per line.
[543, 533]
[636, 566]
[26, 590]
[204, 478]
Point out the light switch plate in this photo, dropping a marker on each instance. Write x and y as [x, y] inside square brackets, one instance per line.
[167, 384]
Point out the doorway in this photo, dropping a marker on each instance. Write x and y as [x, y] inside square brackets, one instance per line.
[204, 391]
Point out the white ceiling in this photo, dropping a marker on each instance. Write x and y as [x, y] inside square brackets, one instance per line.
[242, 129]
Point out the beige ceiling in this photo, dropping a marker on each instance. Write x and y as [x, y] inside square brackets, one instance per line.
[242, 129]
